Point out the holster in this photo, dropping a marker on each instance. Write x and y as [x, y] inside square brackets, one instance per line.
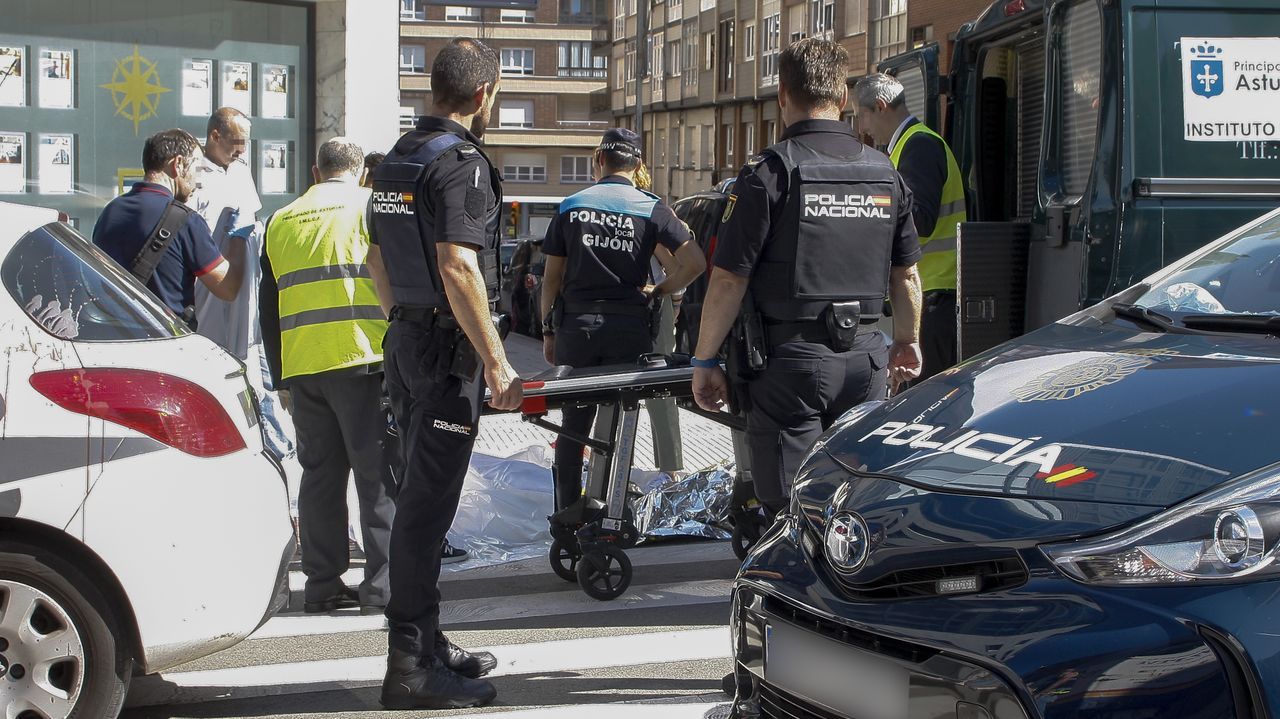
[655, 318]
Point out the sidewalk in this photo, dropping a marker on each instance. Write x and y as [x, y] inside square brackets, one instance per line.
[705, 442]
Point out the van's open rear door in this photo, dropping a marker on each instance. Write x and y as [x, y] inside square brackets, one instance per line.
[918, 72]
[992, 280]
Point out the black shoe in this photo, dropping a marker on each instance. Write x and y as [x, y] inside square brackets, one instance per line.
[346, 599]
[450, 554]
[472, 665]
[426, 683]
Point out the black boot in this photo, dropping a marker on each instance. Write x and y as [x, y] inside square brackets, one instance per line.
[472, 665]
[426, 683]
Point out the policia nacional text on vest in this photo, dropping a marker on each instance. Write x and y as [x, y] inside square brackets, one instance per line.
[937, 264]
[398, 210]
[825, 272]
[329, 313]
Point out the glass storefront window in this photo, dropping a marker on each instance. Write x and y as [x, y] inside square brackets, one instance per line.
[78, 97]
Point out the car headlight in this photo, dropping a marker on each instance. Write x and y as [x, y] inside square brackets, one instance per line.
[1230, 532]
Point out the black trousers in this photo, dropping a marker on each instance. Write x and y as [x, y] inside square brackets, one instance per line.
[591, 340]
[437, 418]
[804, 389]
[340, 429]
[938, 332]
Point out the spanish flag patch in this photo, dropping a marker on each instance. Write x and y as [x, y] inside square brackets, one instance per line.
[881, 200]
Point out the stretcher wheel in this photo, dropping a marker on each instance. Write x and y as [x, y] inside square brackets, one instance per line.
[604, 574]
[564, 559]
[746, 533]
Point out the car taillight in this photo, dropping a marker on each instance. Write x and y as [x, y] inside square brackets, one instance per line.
[165, 408]
[530, 282]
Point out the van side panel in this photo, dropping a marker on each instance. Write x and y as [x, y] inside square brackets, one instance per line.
[1155, 231]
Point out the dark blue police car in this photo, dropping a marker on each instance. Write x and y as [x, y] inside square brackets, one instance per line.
[1083, 522]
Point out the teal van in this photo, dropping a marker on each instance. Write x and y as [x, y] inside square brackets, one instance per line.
[1100, 140]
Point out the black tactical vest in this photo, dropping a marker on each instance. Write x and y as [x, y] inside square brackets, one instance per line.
[404, 219]
[834, 239]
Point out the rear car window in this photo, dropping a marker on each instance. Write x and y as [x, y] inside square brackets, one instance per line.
[75, 292]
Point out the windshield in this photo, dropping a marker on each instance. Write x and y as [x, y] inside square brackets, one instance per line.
[1241, 276]
[75, 292]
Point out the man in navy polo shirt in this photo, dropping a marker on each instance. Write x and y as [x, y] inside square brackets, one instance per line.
[169, 159]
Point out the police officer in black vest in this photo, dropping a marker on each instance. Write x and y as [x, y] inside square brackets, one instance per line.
[598, 251]
[816, 235]
[434, 227]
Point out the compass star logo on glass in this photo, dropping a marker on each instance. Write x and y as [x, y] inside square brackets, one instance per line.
[1206, 70]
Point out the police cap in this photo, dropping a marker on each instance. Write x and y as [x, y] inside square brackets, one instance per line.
[621, 140]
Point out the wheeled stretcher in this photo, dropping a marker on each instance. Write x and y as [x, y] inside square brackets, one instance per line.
[591, 535]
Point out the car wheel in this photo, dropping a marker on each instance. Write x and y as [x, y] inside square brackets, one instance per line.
[60, 653]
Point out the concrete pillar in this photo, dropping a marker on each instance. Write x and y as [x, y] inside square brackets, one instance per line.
[358, 72]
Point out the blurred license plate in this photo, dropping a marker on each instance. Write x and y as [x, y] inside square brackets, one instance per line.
[838, 676]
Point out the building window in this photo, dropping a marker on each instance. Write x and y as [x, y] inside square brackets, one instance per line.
[749, 142]
[458, 13]
[822, 18]
[577, 12]
[630, 60]
[575, 168]
[412, 10]
[729, 137]
[525, 16]
[727, 60]
[515, 113]
[517, 61]
[657, 68]
[921, 36]
[690, 65]
[749, 42]
[524, 173]
[770, 46]
[674, 11]
[619, 19]
[413, 58]
[575, 60]
[888, 28]
[770, 131]
[708, 51]
[673, 58]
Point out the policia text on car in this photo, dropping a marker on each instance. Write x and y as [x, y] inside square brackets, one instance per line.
[434, 261]
[816, 236]
[599, 250]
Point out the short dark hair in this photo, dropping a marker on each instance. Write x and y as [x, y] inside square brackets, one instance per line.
[814, 71]
[166, 145]
[460, 68]
[222, 119]
[339, 155]
[373, 159]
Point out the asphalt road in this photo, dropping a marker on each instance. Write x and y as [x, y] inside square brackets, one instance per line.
[561, 654]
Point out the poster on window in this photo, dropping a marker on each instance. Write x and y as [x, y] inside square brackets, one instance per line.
[13, 78]
[275, 91]
[57, 164]
[274, 178]
[57, 78]
[197, 88]
[13, 155]
[237, 86]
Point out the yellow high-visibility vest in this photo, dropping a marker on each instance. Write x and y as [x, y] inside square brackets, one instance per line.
[937, 264]
[329, 313]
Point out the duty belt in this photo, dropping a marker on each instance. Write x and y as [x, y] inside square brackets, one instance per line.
[807, 331]
[606, 308]
[428, 316]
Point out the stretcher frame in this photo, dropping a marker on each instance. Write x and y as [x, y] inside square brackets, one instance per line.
[593, 534]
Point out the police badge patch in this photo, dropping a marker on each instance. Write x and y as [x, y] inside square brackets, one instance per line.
[1076, 379]
[728, 208]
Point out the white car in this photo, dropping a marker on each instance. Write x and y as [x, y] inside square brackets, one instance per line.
[141, 524]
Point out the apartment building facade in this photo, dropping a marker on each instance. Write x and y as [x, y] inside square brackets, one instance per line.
[700, 77]
[545, 125]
